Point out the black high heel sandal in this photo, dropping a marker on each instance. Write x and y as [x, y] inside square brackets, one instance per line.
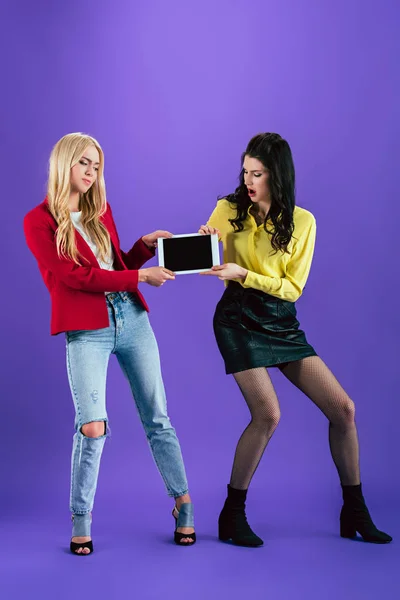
[81, 528]
[184, 519]
[74, 546]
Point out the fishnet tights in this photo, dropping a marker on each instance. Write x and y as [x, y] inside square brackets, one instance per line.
[314, 379]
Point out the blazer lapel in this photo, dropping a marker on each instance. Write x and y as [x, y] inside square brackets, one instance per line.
[84, 249]
[108, 222]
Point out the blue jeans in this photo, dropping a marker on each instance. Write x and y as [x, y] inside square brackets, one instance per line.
[131, 338]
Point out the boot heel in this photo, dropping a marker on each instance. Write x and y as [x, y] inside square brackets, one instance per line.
[347, 526]
[347, 531]
[223, 534]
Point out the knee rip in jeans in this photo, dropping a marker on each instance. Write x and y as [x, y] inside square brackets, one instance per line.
[94, 429]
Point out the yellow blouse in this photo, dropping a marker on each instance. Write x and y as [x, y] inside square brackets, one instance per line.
[277, 274]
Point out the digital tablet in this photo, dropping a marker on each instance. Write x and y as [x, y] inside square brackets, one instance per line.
[188, 253]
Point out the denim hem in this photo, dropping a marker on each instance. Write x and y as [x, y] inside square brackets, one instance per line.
[177, 495]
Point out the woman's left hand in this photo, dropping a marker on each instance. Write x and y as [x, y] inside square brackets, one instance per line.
[227, 271]
[151, 239]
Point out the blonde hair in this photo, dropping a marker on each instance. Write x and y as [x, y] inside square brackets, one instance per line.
[66, 154]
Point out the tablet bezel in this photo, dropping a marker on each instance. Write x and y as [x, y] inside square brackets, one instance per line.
[214, 251]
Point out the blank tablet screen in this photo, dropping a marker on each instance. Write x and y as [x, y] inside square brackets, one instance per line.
[188, 253]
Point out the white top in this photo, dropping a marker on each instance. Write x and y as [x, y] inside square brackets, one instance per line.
[109, 264]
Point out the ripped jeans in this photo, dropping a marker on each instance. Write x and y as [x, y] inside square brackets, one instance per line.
[131, 338]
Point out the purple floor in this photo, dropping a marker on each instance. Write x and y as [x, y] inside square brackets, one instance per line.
[303, 556]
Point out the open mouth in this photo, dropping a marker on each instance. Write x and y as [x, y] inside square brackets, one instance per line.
[250, 191]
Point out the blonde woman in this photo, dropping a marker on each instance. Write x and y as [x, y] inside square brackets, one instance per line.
[96, 302]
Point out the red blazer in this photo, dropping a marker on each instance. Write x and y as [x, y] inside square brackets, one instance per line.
[77, 292]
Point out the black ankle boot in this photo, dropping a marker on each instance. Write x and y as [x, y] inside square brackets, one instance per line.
[232, 522]
[355, 517]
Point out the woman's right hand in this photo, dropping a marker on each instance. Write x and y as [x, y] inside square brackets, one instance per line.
[155, 276]
[206, 230]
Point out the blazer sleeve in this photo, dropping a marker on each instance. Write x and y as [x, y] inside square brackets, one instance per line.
[40, 238]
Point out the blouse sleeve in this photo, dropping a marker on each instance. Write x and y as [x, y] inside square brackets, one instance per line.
[219, 218]
[291, 286]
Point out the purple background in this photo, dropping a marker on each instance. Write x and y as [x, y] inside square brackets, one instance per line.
[173, 91]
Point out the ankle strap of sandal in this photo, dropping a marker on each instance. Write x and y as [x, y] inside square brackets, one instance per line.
[185, 515]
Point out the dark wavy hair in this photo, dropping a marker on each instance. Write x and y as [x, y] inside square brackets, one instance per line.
[275, 154]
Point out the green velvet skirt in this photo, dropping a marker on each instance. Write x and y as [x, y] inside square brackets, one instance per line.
[254, 329]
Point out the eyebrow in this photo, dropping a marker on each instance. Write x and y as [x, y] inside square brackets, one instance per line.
[253, 171]
[90, 161]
